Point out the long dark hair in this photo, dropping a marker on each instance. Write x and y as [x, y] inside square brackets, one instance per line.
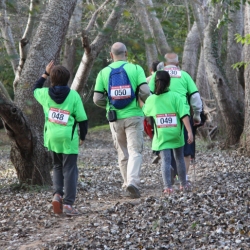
[154, 65]
[162, 81]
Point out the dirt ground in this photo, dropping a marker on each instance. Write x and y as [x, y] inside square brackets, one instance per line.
[215, 215]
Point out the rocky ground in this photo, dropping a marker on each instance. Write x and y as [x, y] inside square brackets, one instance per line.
[215, 215]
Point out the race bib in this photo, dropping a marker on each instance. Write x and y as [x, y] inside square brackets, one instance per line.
[120, 92]
[166, 120]
[174, 72]
[58, 116]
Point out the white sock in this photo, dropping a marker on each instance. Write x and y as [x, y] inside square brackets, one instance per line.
[186, 177]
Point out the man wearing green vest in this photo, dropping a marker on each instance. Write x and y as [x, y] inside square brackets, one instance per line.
[126, 123]
[63, 110]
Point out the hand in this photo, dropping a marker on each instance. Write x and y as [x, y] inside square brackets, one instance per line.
[80, 143]
[49, 66]
[190, 138]
[196, 120]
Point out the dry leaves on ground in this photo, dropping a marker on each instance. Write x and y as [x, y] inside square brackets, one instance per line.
[215, 215]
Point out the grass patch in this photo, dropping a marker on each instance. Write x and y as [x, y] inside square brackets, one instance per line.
[29, 188]
[99, 128]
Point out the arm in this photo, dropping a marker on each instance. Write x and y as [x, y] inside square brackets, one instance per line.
[189, 129]
[141, 103]
[100, 99]
[144, 91]
[83, 125]
[196, 104]
[39, 83]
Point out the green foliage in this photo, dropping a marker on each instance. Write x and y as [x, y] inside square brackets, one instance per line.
[99, 128]
[242, 39]
[6, 73]
[239, 65]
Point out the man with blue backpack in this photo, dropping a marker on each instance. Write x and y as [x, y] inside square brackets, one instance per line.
[117, 89]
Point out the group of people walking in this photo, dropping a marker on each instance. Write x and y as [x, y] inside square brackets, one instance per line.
[122, 89]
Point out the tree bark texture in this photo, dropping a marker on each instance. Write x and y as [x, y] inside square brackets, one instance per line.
[201, 78]
[72, 38]
[234, 54]
[27, 153]
[190, 52]
[151, 50]
[160, 38]
[218, 81]
[245, 138]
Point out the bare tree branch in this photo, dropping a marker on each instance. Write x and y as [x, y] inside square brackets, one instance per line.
[24, 43]
[7, 36]
[94, 16]
[92, 50]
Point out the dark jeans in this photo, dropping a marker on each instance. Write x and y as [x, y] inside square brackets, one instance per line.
[65, 175]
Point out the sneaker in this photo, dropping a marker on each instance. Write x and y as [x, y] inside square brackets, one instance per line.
[69, 210]
[134, 192]
[168, 191]
[156, 159]
[186, 188]
[57, 204]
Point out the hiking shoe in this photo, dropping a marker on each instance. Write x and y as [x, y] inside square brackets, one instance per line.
[156, 159]
[134, 192]
[69, 210]
[186, 188]
[168, 191]
[57, 204]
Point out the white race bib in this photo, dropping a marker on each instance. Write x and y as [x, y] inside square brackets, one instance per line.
[173, 72]
[166, 120]
[120, 92]
[59, 116]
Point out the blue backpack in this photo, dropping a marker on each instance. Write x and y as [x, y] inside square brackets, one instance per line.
[120, 91]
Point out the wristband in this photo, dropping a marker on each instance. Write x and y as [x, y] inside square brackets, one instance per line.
[46, 73]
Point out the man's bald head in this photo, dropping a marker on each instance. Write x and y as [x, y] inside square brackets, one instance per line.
[171, 58]
[118, 51]
[118, 48]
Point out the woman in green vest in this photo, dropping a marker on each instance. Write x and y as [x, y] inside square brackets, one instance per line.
[169, 113]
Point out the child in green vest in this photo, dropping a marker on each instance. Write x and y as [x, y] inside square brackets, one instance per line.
[63, 110]
[169, 113]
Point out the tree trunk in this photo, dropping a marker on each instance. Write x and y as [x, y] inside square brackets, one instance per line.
[245, 138]
[23, 120]
[190, 53]
[69, 58]
[218, 81]
[160, 38]
[201, 78]
[234, 54]
[150, 48]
